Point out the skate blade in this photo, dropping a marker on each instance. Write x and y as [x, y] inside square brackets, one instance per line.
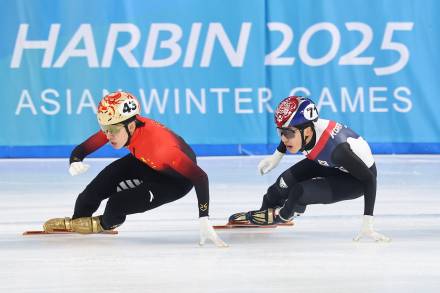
[288, 224]
[241, 226]
[61, 231]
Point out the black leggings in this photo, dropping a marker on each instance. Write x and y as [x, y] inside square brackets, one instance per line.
[306, 183]
[131, 187]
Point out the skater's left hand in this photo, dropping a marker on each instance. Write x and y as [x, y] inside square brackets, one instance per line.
[77, 168]
[270, 162]
[367, 230]
[207, 232]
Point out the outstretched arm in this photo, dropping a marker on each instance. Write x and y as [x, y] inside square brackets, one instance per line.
[183, 165]
[345, 157]
[267, 164]
[88, 146]
[82, 150]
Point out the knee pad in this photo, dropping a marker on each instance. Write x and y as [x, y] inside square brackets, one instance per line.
[284, 183]
[271, 200]
[278, 192]
[110, 223]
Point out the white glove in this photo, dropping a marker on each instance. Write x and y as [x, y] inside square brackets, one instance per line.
[367, 230]
[269, 163]
[207, 232]
[77, 168]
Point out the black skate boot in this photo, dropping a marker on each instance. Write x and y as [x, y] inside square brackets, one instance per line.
[267, 217]
[239, 219]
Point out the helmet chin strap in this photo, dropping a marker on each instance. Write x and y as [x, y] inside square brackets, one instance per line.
[129, 135]
[137, 124]
[303, 140]
[304, 145]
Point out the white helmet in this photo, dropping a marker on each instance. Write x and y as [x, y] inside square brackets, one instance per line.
[117, 107]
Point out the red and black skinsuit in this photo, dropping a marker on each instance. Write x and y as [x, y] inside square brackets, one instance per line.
[160, 168]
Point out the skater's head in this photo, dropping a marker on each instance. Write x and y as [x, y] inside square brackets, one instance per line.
[295, 111]
[294, 119]
[117, 113]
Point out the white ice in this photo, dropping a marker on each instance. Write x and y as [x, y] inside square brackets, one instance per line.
[158, 251]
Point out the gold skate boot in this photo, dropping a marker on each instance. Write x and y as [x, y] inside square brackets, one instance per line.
[58, 224]
[87, 225]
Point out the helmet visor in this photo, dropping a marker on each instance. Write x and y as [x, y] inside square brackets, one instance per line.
[112, 129]
[288, 133]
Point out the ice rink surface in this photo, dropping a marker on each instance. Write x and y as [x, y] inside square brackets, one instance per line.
[158, 251]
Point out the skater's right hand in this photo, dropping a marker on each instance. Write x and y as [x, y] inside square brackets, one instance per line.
[269, 163]
[367, 231]
[77, 168]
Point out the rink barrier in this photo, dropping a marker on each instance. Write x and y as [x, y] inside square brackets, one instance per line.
[206, 150]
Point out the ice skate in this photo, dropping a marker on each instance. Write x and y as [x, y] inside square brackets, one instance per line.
[239, 219]
[269, 216]
[84, 225]
[262, 218]
[244, 220]
[58, 225]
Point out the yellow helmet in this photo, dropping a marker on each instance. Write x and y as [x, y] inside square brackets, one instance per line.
[117, 107]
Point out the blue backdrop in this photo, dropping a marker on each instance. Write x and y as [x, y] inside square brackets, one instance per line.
[213, 71]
